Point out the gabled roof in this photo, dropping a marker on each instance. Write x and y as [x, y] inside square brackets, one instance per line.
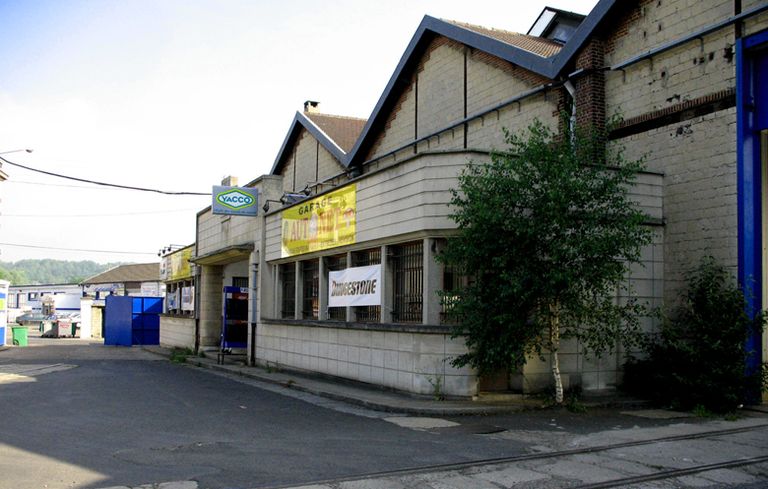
[135, 272]
[537, 45]
[336, 133]
[533, 54]
[343, 130]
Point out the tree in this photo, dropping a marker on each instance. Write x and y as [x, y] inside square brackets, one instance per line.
[47, 271]
[13, 276]
[547, 232]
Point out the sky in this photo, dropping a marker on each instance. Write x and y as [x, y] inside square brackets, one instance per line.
[175, 95]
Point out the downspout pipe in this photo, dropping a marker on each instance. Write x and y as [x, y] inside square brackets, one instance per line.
[572, 121]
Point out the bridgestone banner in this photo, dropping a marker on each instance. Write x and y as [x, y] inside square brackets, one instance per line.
[360, 286]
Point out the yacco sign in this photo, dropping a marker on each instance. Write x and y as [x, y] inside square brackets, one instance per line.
[240, 201]
[359, 286]
[321, 223]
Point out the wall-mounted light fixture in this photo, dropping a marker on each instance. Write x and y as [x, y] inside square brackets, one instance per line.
[265, 207]
[168, 249]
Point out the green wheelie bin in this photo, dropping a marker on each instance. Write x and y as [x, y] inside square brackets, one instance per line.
[19, 335]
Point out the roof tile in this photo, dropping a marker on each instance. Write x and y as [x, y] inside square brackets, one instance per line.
[342, 130]
[134, 272]
[536, 45]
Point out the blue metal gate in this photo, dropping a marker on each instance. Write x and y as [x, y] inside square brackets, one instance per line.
[132, 320]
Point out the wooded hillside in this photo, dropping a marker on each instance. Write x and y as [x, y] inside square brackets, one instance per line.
[29, 272]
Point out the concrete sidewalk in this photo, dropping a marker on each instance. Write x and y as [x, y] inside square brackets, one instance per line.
[383, 400]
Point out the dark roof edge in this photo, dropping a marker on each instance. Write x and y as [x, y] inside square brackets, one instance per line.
[581, 36]
[299, 121]
[431, 25]
[557, 11]
[551, 67]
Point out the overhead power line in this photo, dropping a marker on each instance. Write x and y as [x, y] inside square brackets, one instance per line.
[111, 214]
[43, 184]
[76, 249]
[94, 182]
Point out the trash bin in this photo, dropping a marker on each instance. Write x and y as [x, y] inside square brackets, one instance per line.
[19, 335]
[63, 328]
[48, 330]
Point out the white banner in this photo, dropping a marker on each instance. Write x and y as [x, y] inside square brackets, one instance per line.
[360, 286]
[172, 300]
[187, 298]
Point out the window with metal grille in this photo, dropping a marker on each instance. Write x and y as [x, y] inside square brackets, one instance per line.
[363, 258]
[408, 275]
[334, 264]
[310, 289]
[240, 282]
[179, 289]
[287, 273]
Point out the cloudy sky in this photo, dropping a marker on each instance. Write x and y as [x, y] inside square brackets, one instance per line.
[175, 95]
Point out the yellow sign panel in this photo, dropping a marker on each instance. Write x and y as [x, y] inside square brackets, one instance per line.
[179, 267]
[321, 223]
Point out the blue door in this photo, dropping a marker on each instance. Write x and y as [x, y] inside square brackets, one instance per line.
[132, 320]
[752, 139]
[234, 327]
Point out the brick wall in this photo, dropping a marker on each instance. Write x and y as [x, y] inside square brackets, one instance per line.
[590, 88]
[215, 232]
[692, 70]
[697, 154]
[698, 158]
[328, 165]
[308, 162]
[434, 99]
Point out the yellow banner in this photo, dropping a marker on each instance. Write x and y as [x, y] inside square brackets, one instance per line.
[321, 223]
[179, 267]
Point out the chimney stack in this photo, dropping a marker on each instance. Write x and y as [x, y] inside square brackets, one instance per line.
[311, 107]
[229, 181]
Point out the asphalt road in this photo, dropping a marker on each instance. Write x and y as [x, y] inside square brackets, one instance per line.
[107, 416]
[77, 414]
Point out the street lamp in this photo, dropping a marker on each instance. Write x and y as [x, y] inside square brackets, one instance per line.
[15, 151]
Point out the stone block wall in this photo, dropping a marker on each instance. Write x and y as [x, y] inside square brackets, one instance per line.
[210, 304]
[177, 332]
[397, 359]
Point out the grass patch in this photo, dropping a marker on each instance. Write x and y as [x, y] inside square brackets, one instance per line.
[179, 355]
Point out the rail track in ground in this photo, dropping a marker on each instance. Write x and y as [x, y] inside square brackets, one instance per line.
[659, 475]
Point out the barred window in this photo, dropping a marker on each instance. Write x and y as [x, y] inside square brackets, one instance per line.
[408, 273]
[363, 258]
[334, 264]
[240, 282]
[287, 274]
[310, 289]
[180, 296]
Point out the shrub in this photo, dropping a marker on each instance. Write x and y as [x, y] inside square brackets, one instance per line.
[699, 357]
